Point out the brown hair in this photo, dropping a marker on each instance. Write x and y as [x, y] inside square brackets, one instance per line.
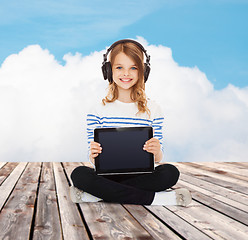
[138, 90]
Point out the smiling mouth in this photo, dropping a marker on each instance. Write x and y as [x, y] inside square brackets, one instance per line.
[126, 80]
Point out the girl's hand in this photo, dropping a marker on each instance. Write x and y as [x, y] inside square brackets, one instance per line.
[153, 146]
[95, 150]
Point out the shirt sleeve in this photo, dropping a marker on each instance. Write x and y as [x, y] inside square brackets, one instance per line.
[158, 124]
[93, 121]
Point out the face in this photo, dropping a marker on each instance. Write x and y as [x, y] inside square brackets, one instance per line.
[125, 72]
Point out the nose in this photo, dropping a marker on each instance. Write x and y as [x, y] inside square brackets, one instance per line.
[126, 72]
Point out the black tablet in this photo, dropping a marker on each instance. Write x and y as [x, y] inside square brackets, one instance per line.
[122, 150]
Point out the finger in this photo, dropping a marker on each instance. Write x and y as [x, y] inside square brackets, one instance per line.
[152, 144]
[95, 144]
[96, 152]
[95, 148]
[152, 140]
[95, 155]
[151, 148]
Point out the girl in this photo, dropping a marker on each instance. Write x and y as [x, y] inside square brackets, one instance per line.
[127, 105]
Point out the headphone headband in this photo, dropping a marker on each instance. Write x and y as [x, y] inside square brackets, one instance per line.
[124, 41]
[106, 66]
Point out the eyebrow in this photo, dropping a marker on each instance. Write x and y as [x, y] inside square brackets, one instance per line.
[122, 64]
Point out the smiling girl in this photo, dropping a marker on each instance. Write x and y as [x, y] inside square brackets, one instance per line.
[126, 105]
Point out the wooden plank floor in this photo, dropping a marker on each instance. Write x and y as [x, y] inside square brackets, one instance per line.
[35, 204]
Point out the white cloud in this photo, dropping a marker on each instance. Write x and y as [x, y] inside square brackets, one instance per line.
[43, 106]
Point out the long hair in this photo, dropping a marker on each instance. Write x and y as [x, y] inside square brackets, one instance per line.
[138, 90]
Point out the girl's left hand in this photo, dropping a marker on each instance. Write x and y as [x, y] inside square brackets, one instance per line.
[152, 146]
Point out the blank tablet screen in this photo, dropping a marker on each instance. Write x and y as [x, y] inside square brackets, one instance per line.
[122, 150]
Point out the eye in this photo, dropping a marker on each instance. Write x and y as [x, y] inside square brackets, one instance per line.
[133, 68]
[118, 67]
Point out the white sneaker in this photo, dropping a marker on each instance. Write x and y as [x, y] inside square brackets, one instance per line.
[183, 197]
[79, 196]
[76, 195]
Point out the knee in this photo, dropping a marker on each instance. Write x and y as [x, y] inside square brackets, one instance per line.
[174, 173]
[77, 172]
[170, 173]
[80, 174]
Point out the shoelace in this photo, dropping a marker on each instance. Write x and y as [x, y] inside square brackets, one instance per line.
[78, 195]
[181, 198]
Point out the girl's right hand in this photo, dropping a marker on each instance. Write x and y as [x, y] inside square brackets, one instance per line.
[95, 150]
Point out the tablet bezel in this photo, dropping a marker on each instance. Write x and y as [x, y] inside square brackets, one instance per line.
[126, 170]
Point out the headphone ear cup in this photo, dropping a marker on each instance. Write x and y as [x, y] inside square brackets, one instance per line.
[147, 70]
[109, 72]
[104, 71]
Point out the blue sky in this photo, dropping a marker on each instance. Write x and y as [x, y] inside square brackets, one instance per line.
[46, 89]
[211, 35]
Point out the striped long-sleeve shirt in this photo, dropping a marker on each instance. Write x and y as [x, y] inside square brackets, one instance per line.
[120, 114]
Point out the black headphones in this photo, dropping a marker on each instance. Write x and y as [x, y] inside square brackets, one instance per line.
[106, 66]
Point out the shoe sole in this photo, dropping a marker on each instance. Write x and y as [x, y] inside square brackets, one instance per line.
[186, 196]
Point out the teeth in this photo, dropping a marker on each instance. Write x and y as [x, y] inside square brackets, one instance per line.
[126, 80]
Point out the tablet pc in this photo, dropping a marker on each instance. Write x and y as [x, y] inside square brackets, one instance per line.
[122, 150]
